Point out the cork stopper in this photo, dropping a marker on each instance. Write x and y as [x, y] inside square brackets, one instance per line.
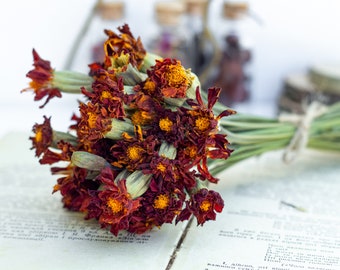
[235, 10]
[325, 77]
[111, 10]
[196, 7]
[169, 12]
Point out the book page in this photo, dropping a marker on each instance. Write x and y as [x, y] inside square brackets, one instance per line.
[276, 217]
[36, 232]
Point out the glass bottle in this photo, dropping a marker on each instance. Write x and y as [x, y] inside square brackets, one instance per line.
[200, 47]
[233, 73]
[170, 39]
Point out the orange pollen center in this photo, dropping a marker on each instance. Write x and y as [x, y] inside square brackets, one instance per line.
[137, 118]
[161, 202]
[176, 76]
[134, 152]
[92, 119]
[191, 151]
[141, 118]
[205, 206]
[165, 124]
[35, 85]
[106, 95]
[149, 86]
[115, 205]
[161, 167]
[202, 123]
[38, 136]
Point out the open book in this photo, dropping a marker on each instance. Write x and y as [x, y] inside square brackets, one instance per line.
[276, 216]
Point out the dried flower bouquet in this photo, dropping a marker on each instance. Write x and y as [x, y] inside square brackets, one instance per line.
[144, 146]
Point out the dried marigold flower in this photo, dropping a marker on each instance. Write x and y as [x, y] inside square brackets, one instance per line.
[133, 153]
[43, 136]
[116, 203]
[42, 76]
[125, 43]
[108, 93]
[203, 205]
[171, 79]
[46, 82]
[95, 123]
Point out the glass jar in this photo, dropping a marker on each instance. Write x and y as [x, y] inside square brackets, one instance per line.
[233, 72]
[200, 47]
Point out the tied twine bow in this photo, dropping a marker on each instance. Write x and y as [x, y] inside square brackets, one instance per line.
[303, 122]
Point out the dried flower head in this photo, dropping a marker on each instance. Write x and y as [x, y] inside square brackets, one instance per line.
[123, 49]
[42, 77]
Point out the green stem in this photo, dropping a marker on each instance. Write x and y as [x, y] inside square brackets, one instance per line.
[71, 82]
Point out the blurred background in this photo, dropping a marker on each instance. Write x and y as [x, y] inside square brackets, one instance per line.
[268, 56]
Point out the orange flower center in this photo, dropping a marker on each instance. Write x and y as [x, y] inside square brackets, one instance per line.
[205, 206]
[141, 118]
[134, 152]
[35, 85]
[202, 123]
[137, 118]
[38, 136]
[106, 95]
[176, 76]
[92, 119]
[115, 205]
[161, 167]
[161, 201]
[149, 86]
[165, 124]
[191, 151]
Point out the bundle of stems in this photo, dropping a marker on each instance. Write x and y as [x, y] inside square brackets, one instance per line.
[251, 135]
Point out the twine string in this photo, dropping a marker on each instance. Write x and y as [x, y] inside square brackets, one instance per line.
[303, 122]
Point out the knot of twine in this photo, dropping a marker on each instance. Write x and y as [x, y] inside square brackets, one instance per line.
[303, 122]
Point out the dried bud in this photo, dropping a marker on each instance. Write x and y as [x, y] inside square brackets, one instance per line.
[167, 150]
[131, 76]
[149, 61]
[89, 161]
[137, 183]
[119, 128]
